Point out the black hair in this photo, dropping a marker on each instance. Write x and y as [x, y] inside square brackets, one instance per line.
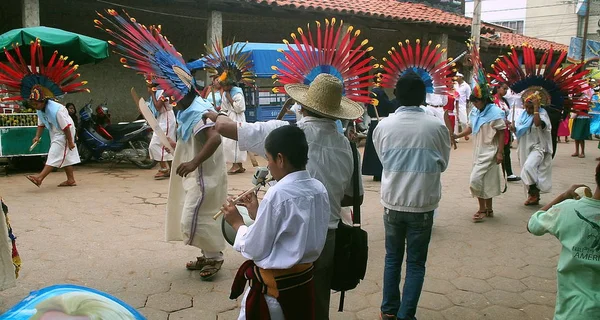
[291, 142]
[410, 89]
[70, 104]
[495, 89]
[598, 175]
[312, 113]
[487, 100]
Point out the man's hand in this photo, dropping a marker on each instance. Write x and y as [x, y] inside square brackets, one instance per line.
[499, 157]
[71, 145]
[185, 168]
[232, 215]
[211, 115]
[250, 201]
[571, 194]
[35, 140]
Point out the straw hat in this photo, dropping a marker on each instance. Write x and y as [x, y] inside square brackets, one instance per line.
[324, 97]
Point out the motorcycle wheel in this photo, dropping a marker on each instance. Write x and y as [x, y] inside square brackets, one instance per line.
[147, 163]
[85, 154]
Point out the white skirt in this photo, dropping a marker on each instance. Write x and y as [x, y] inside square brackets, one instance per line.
[59, 155]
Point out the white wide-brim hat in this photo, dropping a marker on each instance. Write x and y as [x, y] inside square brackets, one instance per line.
[324, 97]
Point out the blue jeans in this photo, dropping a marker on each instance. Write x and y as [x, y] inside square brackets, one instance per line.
[414, 229]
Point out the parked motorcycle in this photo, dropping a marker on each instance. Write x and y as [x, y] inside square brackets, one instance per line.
[125, 141]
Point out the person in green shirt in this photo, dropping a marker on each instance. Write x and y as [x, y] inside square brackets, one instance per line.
[575, 222]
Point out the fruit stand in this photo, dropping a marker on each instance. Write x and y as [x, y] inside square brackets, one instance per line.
[17, 129]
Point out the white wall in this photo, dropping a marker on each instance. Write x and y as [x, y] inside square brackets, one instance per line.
[499, 10]
[553, 20]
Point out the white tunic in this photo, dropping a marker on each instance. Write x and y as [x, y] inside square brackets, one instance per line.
[486, 176]
[236, 113]
[290, 229]
[60, 155]
[464, 91]
[329, 156]
[168, 124]
[535, 155]
[7, 269]
[193, 200]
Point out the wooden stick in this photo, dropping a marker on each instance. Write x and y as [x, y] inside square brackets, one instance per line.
[212, 89]
[247, 192]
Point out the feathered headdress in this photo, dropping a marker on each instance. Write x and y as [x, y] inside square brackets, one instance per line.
[335, 52]
[427, 62]
[231, 67]
[558, 87]
[481, 87]
[146, 50]
[55, 78]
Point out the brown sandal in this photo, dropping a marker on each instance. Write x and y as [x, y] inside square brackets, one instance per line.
[67, 184]
[489, 213]
[196, 265]
[240, 170]
[211, 268]
[34, 180]
[532, 200]
[479, 215]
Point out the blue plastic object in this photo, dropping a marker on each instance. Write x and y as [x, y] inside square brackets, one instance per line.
[61, 301]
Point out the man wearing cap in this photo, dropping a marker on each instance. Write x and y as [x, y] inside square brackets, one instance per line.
[464, 92]
[414, 150]
[329, 153]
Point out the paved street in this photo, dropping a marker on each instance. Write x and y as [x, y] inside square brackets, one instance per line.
[108, 233]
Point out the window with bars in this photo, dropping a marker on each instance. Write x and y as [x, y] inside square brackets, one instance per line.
[516, 25]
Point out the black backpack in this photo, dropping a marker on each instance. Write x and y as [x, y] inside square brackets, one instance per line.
[351, 245]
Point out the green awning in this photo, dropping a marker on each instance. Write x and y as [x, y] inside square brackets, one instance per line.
[79, 48]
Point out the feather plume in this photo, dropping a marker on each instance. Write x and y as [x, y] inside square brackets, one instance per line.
[147, 51]
[19, 76]
[234, 65]
[561, 86]
[335, 52]
[425, 61]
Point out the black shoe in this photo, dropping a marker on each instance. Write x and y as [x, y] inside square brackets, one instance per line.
[513, 178]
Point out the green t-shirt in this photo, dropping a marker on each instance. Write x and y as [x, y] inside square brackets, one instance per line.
[576, 224]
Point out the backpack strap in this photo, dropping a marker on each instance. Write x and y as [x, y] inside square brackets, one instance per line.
[355, 187]
[355, 207]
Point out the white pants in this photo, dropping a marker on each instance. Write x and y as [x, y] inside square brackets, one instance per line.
[274, 307]
[461, 118]
[537, 170]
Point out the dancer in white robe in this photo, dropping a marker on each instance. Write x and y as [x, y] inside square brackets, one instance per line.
[165, 116]
[63, 151]
[533, 130]
[198, 187]
[487, 123]
[234, 105]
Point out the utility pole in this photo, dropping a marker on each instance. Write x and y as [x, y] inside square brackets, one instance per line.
[476, 26]
[585, 32]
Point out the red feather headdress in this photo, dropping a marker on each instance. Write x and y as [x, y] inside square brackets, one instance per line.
[426, 61]
[560, 87]
[55, 78]
[331, 50]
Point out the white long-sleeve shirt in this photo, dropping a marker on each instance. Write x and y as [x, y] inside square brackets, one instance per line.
[329, 156]
[290, 226]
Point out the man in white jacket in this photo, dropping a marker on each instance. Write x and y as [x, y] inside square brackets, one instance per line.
[414, 149]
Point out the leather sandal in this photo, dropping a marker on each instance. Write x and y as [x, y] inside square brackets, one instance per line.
[532, 200]
[211, 268]
[479, 216]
